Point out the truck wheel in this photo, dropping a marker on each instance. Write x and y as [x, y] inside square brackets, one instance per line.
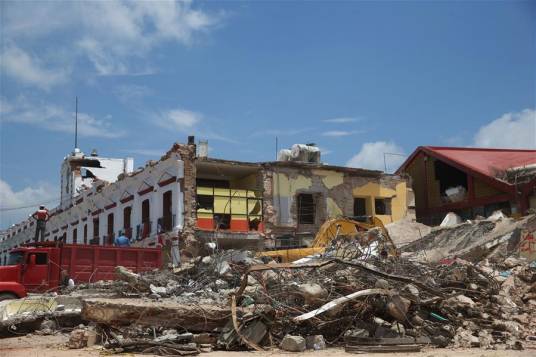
[7, 296]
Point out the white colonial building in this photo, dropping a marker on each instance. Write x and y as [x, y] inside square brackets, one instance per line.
[103, 197]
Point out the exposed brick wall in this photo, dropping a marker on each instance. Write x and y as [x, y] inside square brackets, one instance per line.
[189, 243]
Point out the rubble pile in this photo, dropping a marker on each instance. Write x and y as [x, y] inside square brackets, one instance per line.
[234, 301]
[496, 238]
[406, 230]
[476, 292]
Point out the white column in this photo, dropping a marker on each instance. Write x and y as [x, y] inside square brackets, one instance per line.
[156, 207]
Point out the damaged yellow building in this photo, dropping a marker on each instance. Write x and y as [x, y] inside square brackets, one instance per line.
[287, 200]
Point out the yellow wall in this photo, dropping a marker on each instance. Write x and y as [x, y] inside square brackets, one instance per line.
[330, 179]
[373, 190]
[227, 200]
[288, 187]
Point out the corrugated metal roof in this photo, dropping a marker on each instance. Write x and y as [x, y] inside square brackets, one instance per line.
[486, 161]
[488, 164]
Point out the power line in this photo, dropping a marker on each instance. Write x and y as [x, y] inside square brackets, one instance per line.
[385, 160]
[3, 209]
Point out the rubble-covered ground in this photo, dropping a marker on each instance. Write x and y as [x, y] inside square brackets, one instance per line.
[476, 292]
[54, 346]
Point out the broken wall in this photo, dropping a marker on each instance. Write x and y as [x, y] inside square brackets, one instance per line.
[187, 153]
[333, 193]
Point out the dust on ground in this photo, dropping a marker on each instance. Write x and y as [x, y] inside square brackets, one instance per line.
[53, 346]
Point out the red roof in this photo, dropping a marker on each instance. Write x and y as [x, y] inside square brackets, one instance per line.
[483, 161]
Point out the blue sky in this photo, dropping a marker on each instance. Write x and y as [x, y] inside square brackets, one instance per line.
[357, 78]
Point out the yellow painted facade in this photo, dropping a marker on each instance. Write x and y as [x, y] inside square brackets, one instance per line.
[287, 187]
[241, 203]
[330, 179]
[373, 190]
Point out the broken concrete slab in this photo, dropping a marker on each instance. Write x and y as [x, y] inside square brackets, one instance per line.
[28, 313]
[165, 313]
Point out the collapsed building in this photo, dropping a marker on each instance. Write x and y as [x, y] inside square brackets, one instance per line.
[470, 182]
[186, 199]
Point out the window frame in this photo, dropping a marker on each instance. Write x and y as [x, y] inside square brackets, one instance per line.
[300, 215]
[387, 201]
[365, 200]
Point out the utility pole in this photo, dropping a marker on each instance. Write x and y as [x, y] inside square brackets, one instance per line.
[76, 125]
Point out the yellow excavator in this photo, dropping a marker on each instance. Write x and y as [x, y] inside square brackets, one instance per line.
[349, 228]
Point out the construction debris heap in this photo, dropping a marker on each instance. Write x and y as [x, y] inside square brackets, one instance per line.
[235, 300]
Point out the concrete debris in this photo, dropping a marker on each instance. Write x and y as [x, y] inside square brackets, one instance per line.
[473, 241]
[82, 337]
[315, 342]
[406, 231]
[461, 286]
[135, 280]
[293, 344]
[312, 293]
[450, 220]
[455, 194]
[43, 314]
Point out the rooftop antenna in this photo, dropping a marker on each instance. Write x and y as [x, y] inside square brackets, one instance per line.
[76, 125]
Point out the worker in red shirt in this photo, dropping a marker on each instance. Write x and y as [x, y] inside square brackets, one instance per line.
[41, 216]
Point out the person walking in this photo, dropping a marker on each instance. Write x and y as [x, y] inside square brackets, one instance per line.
[41, 216]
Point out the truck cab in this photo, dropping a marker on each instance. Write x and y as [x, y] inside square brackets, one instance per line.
[30, 269]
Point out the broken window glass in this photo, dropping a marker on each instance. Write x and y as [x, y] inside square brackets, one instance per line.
[205, 202]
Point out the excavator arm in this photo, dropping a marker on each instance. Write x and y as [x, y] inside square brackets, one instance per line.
[330, 230]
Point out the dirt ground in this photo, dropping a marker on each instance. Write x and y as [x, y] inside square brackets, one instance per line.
[53, 346]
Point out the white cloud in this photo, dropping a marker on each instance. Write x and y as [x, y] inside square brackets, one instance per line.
[19, 65]
[341, 120]
[41, 193]
[179, 119]
[189, 122]
[338, 133]
[55, 118]
[511, 130]
[371, 156]
[112, 35]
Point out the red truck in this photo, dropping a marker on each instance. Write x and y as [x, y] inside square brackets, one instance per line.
[43, 267]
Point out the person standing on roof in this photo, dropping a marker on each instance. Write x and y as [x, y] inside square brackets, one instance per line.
[41, 216]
